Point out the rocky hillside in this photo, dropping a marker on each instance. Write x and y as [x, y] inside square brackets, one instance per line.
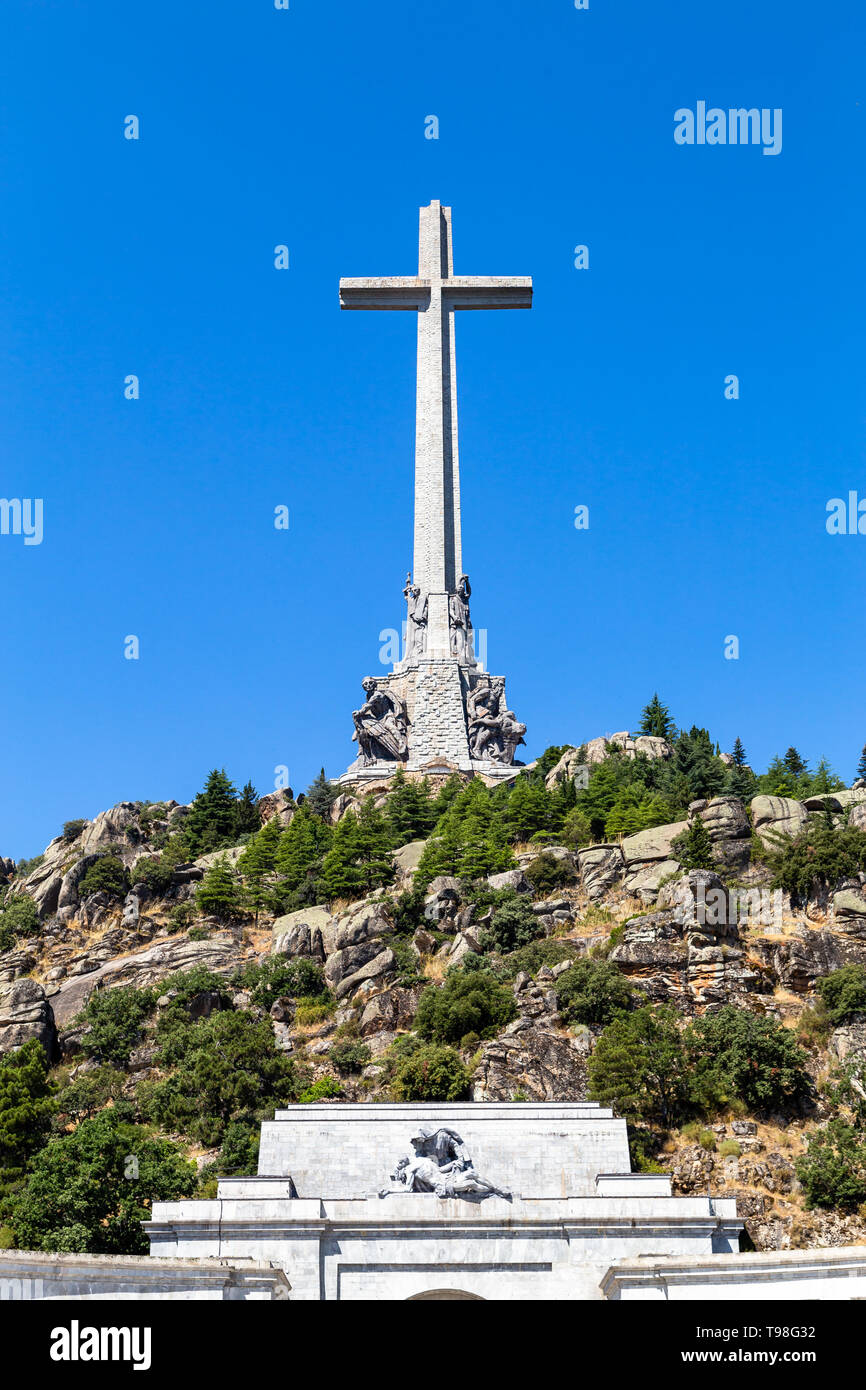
[465, 982]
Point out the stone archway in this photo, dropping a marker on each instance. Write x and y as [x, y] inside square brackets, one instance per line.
[445, 1294]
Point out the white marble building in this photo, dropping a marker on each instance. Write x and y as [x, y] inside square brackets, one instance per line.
[574, 1209]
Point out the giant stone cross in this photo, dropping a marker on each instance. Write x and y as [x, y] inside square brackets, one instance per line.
[438, 706]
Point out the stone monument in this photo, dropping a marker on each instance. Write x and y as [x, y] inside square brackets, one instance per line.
[437, 709]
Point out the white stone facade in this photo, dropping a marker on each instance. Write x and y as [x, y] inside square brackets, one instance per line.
[316, 1206]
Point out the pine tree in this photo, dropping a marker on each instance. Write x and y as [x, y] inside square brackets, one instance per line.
[301, 849]
[320, 796]
[409, 810]
[656, 720]
[739, 753]
[211, 823]
[861, 766]
[794, 763]
[359, 858]
[247, 818]
[258, 862]
[219, 893]
[694, 848]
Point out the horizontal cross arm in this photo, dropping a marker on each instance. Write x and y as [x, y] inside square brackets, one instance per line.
[392, 292]
[488, 291]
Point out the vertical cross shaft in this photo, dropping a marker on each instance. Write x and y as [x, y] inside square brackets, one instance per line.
[434, 294]
[437, 557]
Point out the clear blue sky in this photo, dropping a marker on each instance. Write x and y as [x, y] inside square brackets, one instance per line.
[306, 127]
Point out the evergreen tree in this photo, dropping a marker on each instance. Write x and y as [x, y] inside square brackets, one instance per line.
[257, 864]
[702, 773]
[639, 1067]
[219, 893]
[247, 818]
[794, 763]
[26, 1106]
[409, 811]
[861, 766]
[212, 821]
[694, 848]
[656, 720]
[359, 858]
[320, 796]
[739, 753]
[301, 850]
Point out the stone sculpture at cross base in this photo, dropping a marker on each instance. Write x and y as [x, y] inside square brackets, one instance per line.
[437, 710]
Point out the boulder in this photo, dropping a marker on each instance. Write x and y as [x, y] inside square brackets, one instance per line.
[311, 931]
[849, 912]
[280, 804]
[219, 953]
[25, 1014]
[644, 881]
[650, 845]
[777, 815]
[849, 1040]
[350, 959]
[442, 898]
[385, 963]
[408, 857]
[360, 923]
[515, 879]
[857, 818]
[393, 1010]
[726, 818]
[596, 750]
[601, 867]
[534, 1063]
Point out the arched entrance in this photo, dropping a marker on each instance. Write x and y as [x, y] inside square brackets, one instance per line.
[450, 1294]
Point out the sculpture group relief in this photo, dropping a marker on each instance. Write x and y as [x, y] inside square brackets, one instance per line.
[494, 731]
[381, 725]
[440, 1163]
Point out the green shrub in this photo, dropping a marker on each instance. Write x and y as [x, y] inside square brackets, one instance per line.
[115, 1022]
[309, 1012]
[18, 917]
[106, 875]
[513, 925]
[155, 873]
[432, 1074]
[90, 1190]
[282, 977]
[469, 1001]
[814, 1027]
[843, 993]
[226, 1068]
[833, 1169]
[822, 855]
[349, 1057]
[531, 958]
[199, 934]
[324, 1089]
[72, 829]
[737, 1054]
[729, 1148]
[592, 991]
[547, 872]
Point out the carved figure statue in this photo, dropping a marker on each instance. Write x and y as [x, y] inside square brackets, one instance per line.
[380, 725]
[416, 636]
[459, 619]
[494, 732]
[440, 1163]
